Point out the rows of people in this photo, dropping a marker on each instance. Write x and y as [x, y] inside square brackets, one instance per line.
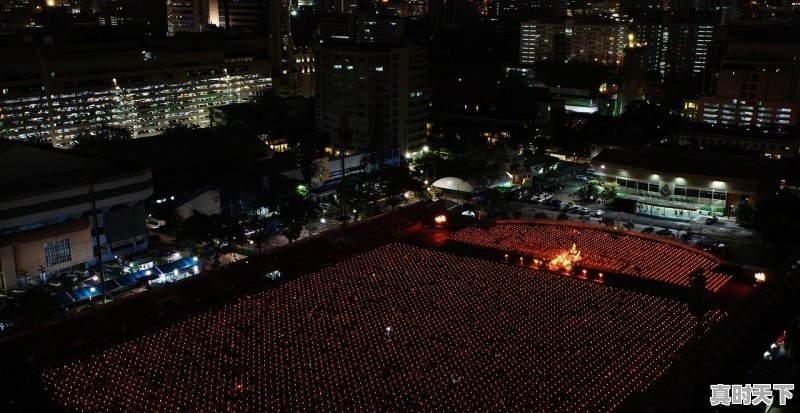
[604, 250]
[396, 329]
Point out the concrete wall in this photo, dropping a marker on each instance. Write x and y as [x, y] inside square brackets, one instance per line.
[206, 203]
[24, 253]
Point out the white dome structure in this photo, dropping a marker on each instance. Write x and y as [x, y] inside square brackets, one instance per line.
[453, 184]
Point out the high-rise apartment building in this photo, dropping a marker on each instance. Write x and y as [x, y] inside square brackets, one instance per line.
[377, 92]
[600, 42]
[673, 48]
[361, 26]
[583, 40]
[55, 91]
[538, 41]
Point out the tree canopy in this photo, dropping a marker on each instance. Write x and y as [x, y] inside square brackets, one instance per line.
[210, 236]
[107, 134]
[295, 212]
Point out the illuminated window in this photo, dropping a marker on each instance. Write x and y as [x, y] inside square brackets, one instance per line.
[57, 252]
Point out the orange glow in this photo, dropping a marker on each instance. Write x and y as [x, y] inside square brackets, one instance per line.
[566, 261]
[761, 277]
[440, 219]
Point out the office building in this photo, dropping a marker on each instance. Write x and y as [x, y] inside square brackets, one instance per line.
[362, 26]
[377, 92]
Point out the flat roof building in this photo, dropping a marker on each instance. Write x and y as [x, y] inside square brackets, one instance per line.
[54, 91]
[680, 179]
[46, 211]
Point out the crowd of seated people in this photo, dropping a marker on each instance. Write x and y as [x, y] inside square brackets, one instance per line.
[395, 329]
[612, 251]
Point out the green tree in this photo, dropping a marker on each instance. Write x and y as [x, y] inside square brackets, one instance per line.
[211, 236]
[744, 212]
[367, 188]
[609, 191]
[394, 201]
[262, 233]
[279, 187]
[34, 305]
[776, 217]
[107, 134]
[295, 212]
[177, 128]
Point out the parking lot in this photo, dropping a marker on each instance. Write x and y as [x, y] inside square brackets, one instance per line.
[739, 243]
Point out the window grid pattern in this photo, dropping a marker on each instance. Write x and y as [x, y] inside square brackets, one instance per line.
[57, 252]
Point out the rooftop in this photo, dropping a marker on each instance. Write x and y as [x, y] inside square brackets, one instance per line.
[682, 161]
[30, 169]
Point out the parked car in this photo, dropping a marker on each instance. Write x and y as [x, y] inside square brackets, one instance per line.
[584, 210]
[711, 221]
[154, 223]
[555, 202]
[599, 213]
[665, 233]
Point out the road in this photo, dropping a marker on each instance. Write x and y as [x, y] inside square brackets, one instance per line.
[742, 242]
